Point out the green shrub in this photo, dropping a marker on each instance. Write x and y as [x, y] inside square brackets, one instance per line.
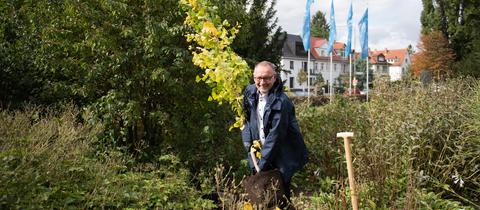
[48, 162]
[407, 137]
[430, 200]
[319, 126]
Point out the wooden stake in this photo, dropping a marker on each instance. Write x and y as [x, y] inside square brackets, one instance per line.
[351, 179]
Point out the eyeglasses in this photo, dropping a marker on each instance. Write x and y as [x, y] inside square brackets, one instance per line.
[263, 78]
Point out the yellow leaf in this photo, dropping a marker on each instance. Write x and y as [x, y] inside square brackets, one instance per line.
[247, 206]
[208, 27]
[193, 3]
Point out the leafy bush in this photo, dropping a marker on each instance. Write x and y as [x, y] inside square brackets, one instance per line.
[319, 126]
[48, 162]
[408, 137]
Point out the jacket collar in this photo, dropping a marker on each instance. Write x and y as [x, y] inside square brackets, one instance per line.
[275, 91]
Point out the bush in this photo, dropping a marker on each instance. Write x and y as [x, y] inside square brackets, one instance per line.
[408, 137]
[48, 162]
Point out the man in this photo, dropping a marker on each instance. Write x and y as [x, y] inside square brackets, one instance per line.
[270, 118]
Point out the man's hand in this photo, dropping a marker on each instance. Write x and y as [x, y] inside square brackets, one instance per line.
[257, 148]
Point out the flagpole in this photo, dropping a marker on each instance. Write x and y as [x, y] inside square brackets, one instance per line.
[308, 77]
[331, 77]
[368, 53]
[354, 47]
[350, 76]
[306, 42]
[363, 28]
[331, 48]
[352, 59]
[367, 79]
[349, 46]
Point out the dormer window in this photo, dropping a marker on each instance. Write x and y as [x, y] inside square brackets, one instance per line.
[381, 58]
[299, 51]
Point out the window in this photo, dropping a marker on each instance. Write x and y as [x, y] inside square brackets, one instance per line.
[299, 50]
[322, 66]
[291, 65]
[315, 66]
[291, 82]
[381, 59]
[311, 81]
[305, 66]
[334, 67]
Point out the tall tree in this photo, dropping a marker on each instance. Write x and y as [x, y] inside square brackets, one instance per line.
[319, 26]
[128, 63]
[459, 21]
[260, 38]
[434, 55]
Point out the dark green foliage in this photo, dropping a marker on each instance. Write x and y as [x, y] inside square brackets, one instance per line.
[470, 65]
[319, 25]
[260, 38]
[459, 21]
[128, 63]
[131, 60]
[19, 80]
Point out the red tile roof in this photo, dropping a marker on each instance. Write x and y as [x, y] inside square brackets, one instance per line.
[398, 55]
[373, 58]
[316, 42]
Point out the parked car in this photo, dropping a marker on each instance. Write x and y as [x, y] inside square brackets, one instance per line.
[352, 92]
[364, 92]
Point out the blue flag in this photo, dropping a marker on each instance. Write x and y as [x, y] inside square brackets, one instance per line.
[348, 48]
[306, 27]
[333, 30]
[363, 28]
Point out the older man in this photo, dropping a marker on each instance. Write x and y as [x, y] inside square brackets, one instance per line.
[271, 119]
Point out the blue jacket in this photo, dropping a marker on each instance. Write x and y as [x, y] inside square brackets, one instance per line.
[284, 147]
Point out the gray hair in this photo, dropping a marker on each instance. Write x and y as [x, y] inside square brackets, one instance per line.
[266, 63]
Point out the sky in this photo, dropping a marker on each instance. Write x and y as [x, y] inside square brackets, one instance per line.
[392, 24]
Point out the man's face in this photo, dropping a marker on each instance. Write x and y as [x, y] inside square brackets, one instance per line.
[264, 77]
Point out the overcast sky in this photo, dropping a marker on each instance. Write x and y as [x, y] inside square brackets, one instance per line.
[392, 24]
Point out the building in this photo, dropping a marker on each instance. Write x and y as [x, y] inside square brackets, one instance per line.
[398, 60]
[294, 60]
[340, 63]
[379, 64]
[392, 64]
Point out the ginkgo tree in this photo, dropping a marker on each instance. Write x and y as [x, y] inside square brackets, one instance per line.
[225, 71]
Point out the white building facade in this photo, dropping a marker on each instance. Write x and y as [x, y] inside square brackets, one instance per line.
[295, 58]
[399, 61]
